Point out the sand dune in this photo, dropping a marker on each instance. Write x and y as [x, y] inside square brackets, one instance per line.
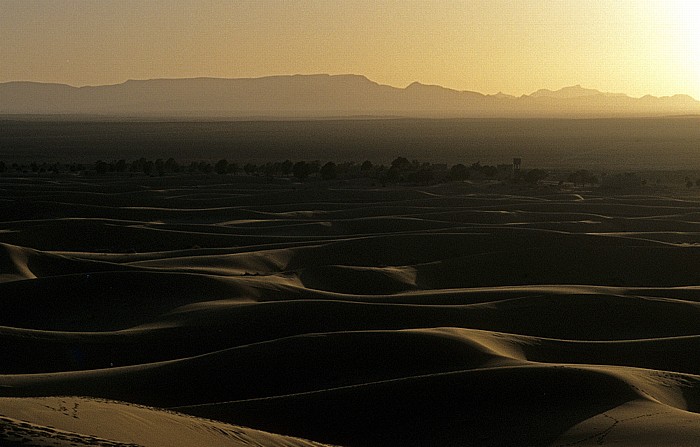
[433, 316]
[80, 421]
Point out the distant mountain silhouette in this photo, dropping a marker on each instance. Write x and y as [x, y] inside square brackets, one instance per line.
[318, 96]
[575, 91]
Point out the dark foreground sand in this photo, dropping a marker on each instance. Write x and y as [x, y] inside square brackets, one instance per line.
[184, 312]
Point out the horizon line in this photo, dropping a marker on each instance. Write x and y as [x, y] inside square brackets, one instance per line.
[499, 93]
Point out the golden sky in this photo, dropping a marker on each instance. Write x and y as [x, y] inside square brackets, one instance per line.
[515, 46]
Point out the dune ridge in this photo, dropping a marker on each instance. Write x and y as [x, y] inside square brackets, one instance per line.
[413, 316]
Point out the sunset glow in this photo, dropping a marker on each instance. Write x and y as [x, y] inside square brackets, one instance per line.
[635, 47]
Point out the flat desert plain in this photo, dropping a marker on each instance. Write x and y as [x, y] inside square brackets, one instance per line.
[231, 311]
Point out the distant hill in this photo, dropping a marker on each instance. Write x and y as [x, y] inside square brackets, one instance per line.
[575, 91]
[318, 96]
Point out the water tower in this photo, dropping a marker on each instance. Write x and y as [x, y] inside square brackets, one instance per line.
[516, 164]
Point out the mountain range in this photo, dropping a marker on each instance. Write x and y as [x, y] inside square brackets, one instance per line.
[319, 96]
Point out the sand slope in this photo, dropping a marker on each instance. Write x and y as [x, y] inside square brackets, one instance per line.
[412, 316]
[78, 421]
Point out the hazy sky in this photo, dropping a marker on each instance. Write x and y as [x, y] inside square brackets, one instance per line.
[514, 46]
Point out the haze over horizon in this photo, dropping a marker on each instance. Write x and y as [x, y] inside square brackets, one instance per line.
[631, 47]
[320, 96]
[573, 90]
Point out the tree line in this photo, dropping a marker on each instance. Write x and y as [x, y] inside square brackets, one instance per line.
[401, 170]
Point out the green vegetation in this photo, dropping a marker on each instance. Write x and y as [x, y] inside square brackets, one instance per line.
[582, 177]
[400, 171]
[614, 144]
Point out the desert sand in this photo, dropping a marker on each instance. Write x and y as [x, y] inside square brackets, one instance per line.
[183, 311]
